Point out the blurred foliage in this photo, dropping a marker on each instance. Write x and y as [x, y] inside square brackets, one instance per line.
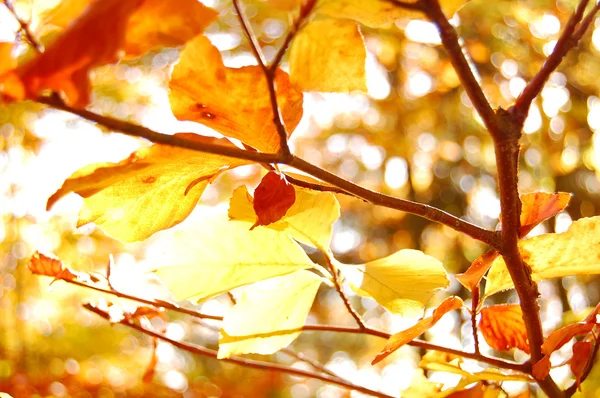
[415, 137]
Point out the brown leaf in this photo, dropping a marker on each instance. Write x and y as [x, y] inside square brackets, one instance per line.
[539, 206]
[503, 327]
[41, 264]
[233, 101]
[401, 338]
[472, 276]
[93, 39]
[581, 355]
[541, 368]
[272, 198]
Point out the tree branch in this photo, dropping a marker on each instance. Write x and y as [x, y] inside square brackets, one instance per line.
[270, 75]
[338, 287]
[568, 39]
[24, 27]
[376, 198]
[250, 363]
[474, 306]
[455, 52]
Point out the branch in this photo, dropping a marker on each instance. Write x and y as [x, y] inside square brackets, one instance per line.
[376, 198]
[474, 306]
[250, 363]
[338, 287]
[284, 149]
[25, 28]
[455, 52]
[568, 39]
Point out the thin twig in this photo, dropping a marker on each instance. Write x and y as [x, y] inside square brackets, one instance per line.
[376, 198]
[25, 28]
[474, 306]
[566, 42]
[284, 149]
[250, 363]
[338, 287]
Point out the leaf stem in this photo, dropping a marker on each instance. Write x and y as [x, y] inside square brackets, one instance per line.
[474, 307]
[250, 363]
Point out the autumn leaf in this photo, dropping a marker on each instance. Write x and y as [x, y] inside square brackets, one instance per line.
[574, 252]
[7, 61]
[406, 336]
[421, 386]
[472, 276]
[309, 220]
[539, 206]
[378, 13]
[269, 316]
[503, 327]
[402, 282]
[40, 264]
[582, 351]
[329, 55]
[157, 23]
[92, 40]
[153, 189]
[233, 101]
[272, 198]
[221, 255]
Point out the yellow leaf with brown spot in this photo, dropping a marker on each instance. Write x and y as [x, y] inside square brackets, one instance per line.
[329, 55]
[233, 101]
[153, 189]
[269, 315]
[574, 252]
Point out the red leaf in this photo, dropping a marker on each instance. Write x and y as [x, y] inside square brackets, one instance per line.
[401, 338]
[581, 355]
[503, 327]
[539, 206]
[272, 198]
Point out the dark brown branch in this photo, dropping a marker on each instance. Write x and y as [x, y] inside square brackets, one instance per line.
[250, 363]
[474, 306]
[338, 287]
[455, 52]
[315, 186]
[568, 39]
[24, 27]
[270, 75]
[376, 198]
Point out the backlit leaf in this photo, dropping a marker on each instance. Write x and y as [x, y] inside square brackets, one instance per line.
[40, 264]
[269, 316]
[402, 282]
[401, 338]
[7, 61]
[272, 198]
[582, 351]
[503, 327]
[378, 13]
[539, 206]
[329, 55]
[233, 101]
[574, 252]
[153, 189]
[472, 276]
[309, 220]
[93, 39]
[222, 255]
[421, 386]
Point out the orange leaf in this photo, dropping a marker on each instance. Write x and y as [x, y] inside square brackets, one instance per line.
[472, 276]
[503, 327]
[41, 264]
[233, 101]
[93, 39]
[581, 355]
[539, 206]
[401, 338]
[541, 369]
[272, 198]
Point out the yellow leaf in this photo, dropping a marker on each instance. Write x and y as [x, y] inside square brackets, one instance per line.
[402, 282]
[153, 189]
[233, 101]
[378, 13]
[329, 55]
[309, 220]
[226, 254]
[574, 252]
[268, 317]
[157, 23]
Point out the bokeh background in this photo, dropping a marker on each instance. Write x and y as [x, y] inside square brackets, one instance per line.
[415, 136]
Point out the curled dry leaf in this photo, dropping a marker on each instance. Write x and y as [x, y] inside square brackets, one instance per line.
[95, 38]
[581, 356]
[153, 189]
[472, 276]
[41, 264]
[503, 327]
[272, 198]
[400, 339]
[233, 101]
